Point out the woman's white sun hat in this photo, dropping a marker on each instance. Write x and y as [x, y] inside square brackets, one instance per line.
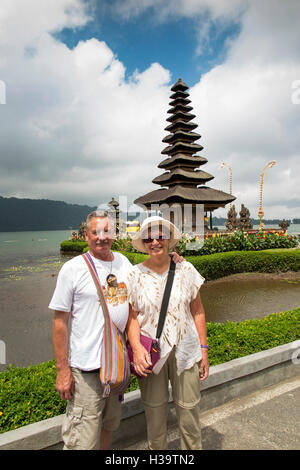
[170, 230]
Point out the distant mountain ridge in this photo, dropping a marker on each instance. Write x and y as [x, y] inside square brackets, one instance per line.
[18, 215]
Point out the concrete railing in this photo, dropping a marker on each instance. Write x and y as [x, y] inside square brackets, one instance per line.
[226, 382]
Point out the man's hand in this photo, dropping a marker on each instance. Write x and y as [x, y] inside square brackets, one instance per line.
[65, 383]
[176, 257]
[64, 379]
[204, 366]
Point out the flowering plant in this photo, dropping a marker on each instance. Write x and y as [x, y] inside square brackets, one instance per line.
[237, 241]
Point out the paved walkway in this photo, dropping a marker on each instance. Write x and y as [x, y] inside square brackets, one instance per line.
[268, 419]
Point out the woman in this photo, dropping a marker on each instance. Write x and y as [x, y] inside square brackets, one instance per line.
[183, 341]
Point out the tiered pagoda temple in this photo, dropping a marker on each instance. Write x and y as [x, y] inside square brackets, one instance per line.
[181, 180]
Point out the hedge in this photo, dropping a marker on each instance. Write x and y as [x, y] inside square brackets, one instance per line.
[80, 246]
[267, 261]
[231, 340]
[28, 395]
[224, 264]
[234, 262]
[73, 246]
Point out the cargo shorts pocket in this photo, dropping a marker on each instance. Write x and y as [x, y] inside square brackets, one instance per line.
[71, 426]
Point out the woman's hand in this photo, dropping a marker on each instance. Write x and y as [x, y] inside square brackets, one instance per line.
[198, 313]
[141, 358]
[142, 361]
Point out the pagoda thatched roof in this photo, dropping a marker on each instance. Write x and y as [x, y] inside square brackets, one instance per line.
[211, 198]
[182, 136]
[181, 147]
[181, 115]
[181, 159]
[180, 107]
[180, 100]
[181, 125]
[179, 86]
[184, 177]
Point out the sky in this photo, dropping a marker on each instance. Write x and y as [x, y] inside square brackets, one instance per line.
[85, 87]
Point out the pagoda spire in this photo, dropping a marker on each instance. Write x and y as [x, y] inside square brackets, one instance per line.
[182, 177]
[182, 162]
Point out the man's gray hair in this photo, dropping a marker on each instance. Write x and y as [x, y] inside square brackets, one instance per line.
[100, 213]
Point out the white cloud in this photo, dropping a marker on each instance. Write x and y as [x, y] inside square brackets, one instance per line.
[23, 22]
[188, 8]
[246, 114]
[75, 129]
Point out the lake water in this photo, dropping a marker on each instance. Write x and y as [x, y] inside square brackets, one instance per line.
[26, 248]
[30, 261]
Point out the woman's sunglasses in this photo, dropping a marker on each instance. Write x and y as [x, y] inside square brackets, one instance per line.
[150, 240]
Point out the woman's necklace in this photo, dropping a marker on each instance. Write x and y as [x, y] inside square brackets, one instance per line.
[105, 262]
[111, 263]
[111, 279]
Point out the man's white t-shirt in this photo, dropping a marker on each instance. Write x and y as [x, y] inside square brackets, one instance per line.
[76, 293]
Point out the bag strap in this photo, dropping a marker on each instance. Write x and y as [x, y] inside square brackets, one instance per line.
[88, 259]
[165, 300]
[108, 327]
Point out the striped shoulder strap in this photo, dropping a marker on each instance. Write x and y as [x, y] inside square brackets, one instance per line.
[109, 330]
[88, 259]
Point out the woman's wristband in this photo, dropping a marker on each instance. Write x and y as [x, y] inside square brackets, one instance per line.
[204, 346]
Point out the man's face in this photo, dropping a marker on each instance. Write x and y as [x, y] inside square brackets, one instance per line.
[100, 237]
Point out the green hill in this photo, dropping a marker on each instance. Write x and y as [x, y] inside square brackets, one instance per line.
[40, 214]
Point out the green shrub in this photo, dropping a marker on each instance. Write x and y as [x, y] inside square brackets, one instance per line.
[231, 340]
[28, 395]
[225, 264]
[123, 245]
[134, 257]
[73, 246]
[81, 246]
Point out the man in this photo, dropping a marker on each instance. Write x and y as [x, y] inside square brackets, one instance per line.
[90, 419]
[75, 299]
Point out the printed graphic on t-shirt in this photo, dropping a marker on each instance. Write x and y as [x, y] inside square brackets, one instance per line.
[115, 292]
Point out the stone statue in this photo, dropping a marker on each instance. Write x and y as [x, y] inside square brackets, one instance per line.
[81, 231]
[245, 222]
[284, 224]
[231, 223]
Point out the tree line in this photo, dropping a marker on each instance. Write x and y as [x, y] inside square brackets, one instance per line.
[40, 214]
